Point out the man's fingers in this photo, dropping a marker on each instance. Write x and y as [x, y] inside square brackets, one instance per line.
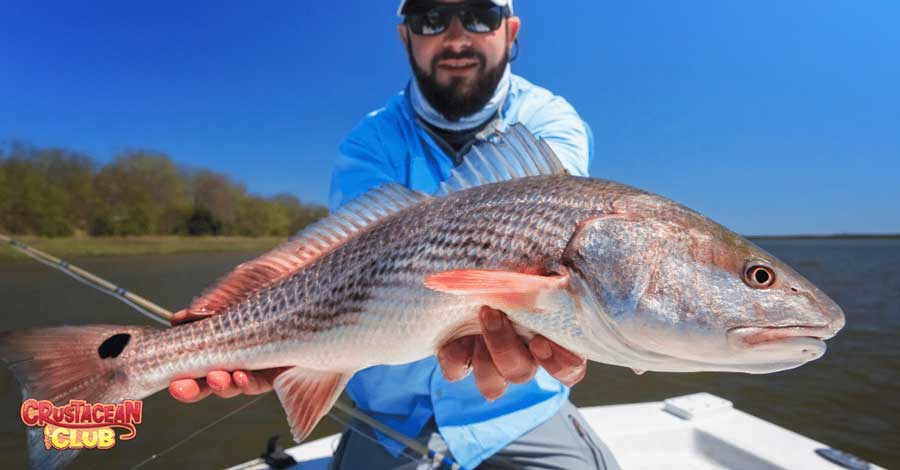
[514, 361]
[247, 382]
[565, 366]
[256, 382]
[218, 380]
[189, 390]
[488, 379]
[221, 384]
[455, 358]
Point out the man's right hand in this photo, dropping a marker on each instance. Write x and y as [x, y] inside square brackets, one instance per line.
[219, 382]
[499, 357]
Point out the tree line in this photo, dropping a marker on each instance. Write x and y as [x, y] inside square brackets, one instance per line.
[56, 192]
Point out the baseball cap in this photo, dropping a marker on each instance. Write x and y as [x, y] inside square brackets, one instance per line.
[499, 3]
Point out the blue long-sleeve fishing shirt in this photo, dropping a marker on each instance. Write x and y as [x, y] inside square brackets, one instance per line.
[389, 146]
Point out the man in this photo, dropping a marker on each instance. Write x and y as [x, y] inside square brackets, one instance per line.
[507, 413]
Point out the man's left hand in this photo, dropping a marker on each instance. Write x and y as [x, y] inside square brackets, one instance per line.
[498, 357]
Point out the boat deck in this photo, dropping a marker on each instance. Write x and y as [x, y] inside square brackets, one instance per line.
[696, 432]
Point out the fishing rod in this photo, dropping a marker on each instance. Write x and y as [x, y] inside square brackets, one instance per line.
[163, 316]
[142, 305]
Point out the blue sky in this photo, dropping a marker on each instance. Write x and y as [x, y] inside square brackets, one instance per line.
[768, 116]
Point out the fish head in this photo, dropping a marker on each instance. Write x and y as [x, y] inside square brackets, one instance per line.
[666, 289]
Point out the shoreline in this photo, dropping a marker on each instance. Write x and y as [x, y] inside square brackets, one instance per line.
[838, 236]
[66, 247]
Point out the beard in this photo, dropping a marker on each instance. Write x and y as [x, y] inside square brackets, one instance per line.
[458, 98]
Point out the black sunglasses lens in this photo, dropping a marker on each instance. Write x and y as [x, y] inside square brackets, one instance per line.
[430, 22]
[482, 20]
[435, 20]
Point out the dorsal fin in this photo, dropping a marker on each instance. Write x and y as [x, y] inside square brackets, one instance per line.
[500, 157]
[503, 156]
[311, 243]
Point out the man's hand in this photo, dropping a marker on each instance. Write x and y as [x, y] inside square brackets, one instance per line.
[499, 356]
[219, 382]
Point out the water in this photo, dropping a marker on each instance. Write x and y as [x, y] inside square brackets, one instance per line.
[848, 399]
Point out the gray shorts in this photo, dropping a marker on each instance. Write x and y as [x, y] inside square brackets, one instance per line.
[565, 441]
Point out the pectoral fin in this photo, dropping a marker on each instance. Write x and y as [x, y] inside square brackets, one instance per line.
[306, 396]
[503, 290]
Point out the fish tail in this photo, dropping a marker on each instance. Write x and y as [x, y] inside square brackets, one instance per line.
[69, 363]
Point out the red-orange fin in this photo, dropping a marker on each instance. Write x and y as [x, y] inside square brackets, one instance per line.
[307, 395]
[253, 275]
[505, 290]
[310, 244]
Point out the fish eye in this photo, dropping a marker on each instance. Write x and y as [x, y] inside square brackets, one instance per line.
[758, 275]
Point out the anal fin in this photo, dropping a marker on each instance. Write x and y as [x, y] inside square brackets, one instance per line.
[307, 395]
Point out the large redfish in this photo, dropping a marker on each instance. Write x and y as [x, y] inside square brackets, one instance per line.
[610, 272]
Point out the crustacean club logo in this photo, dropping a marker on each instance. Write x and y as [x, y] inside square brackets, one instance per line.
[82, 425]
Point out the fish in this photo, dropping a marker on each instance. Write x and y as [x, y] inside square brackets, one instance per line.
[612, 273]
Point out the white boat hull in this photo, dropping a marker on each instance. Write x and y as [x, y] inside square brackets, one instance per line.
[696, 432]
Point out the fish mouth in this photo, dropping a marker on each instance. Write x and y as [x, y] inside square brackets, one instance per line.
[761, 335]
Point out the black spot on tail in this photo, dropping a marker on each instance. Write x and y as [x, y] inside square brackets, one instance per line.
[114, 345]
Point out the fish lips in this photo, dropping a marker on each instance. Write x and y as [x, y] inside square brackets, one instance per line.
[804, 340]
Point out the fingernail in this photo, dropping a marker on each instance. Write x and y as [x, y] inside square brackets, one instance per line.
[499, 394]
[541, 349]
[215, 384]
[449, 376]
[241, 380]
[182, 390]
[492, 320]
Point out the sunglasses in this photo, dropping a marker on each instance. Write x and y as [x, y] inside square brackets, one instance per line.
[434, 19]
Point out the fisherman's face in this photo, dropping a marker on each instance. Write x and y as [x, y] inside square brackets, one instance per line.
[458, 70]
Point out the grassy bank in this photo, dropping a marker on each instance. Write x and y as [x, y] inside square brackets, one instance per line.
[116, 246]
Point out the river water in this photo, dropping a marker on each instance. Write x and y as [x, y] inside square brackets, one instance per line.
[850, 399]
